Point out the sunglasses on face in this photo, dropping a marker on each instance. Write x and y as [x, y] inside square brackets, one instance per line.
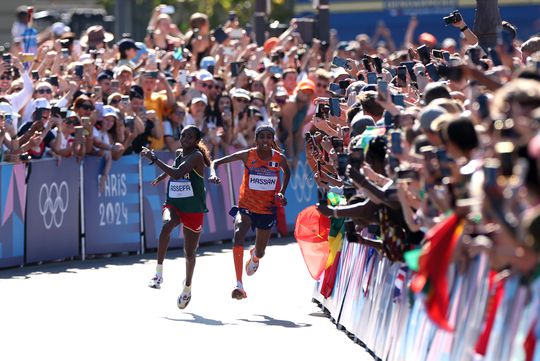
[209, 86]
[87, 107]
[5, 77]
[44, 91]
[115, 101]
[71, 121]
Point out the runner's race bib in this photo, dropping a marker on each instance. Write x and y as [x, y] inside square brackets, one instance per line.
[259, 182]
[180, 189]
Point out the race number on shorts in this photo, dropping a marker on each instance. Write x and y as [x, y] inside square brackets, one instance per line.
[180, 189]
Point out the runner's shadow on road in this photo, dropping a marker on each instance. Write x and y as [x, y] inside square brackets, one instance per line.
[270, 321]
[201, 320]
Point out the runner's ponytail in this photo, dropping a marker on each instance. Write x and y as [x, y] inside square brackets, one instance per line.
[200, 145]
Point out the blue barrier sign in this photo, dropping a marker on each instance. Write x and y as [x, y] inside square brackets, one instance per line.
[112, 217]
[12, 210]
[301, 192]
[52, 217]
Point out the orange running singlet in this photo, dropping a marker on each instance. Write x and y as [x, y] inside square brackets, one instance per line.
[260, 183]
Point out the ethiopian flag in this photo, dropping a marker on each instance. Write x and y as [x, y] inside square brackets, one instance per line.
[335, 241]
[433, 264]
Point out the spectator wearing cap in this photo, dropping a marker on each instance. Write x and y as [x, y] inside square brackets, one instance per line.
[42, 122]
[111, 134]
[293, 117]
[241, 99]
[127, 50]
[65, 140]
[104, 81]
[290, 76]
[204, 82]
[426, 117]
[96, 37]
[159, 102]
[359, 124]
[124, 75]
[269, 45]
[197, 112]
[45, 90]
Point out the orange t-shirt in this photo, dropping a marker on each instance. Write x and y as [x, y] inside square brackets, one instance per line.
[158, 103]
[260, 183]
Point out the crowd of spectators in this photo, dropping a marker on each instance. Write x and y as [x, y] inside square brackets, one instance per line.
[407, 133]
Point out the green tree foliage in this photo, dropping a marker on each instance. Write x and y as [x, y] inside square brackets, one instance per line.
[217, 10]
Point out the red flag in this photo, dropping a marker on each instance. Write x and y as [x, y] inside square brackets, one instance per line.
[433, 265]
[311, 232]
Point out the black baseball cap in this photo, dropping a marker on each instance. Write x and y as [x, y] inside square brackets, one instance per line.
[126, 44]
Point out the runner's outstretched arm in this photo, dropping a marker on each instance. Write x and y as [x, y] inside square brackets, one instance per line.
[175, 173]
[240, 155]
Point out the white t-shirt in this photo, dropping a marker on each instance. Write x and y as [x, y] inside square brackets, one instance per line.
[168, 130]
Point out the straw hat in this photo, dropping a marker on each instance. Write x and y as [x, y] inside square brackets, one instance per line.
[95, 35]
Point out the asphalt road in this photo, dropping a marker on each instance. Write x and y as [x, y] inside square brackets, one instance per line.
[102, 309]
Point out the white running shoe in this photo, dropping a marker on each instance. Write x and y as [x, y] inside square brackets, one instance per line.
[156, 282]
[184, 298]
[251, 266]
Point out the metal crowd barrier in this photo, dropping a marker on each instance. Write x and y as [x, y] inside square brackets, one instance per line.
[53, 210]
[371, 303]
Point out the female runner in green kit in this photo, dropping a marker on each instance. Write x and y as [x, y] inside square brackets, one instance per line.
[186, 203]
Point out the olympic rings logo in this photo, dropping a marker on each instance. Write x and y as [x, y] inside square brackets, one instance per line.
[53, 203]
[302, 182]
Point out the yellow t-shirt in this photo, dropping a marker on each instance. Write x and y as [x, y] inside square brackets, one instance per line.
[158, 103]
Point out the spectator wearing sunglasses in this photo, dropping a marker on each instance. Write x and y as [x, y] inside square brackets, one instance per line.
[44, 90]
[65, 137]
[41, 124]
[83, 106]
[204, 82]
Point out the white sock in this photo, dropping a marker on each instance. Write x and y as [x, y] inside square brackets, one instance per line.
[159, 270]
[187, 288]
[239, 284]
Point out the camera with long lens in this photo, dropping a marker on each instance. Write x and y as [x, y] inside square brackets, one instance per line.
[454, 17]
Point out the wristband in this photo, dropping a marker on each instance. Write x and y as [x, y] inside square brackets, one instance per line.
[464, 28]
